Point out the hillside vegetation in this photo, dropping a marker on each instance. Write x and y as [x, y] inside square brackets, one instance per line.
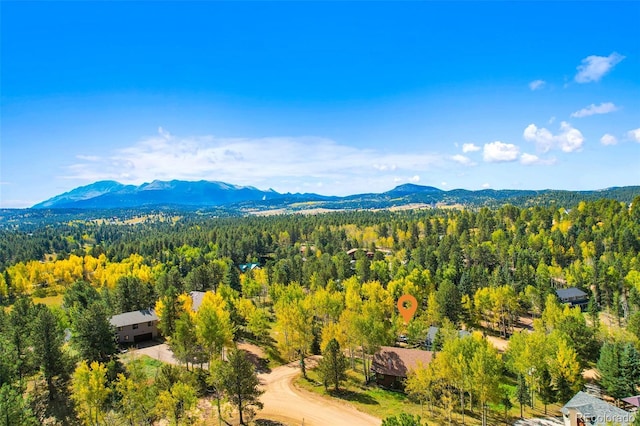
[480, 269]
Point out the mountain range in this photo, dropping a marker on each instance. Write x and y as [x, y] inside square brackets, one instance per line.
[212, 194]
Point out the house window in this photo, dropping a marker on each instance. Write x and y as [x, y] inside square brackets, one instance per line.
[150, 323]
[119, 328]
[135, 326]
[126, 337]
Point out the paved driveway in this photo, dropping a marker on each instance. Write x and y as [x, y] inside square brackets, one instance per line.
[159, 351]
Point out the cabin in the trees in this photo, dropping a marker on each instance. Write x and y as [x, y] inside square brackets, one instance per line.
[391, 365]
[586, 410]
[135, 326]
[573, 297]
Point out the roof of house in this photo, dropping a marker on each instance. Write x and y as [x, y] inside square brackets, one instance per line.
[248, 266]
[565, 293]
[633, 400]
[134, 317]
[397, 362]
[431, 334]
[196, 299]
[591, 407]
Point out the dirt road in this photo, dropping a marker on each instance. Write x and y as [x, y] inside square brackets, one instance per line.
[282, 401]
[291, 406]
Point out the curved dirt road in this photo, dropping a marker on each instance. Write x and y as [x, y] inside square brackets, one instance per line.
[286, 404]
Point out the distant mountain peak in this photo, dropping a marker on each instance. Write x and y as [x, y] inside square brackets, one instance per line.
[412, 187]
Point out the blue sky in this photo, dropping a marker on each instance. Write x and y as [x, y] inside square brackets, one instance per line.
[331, 97]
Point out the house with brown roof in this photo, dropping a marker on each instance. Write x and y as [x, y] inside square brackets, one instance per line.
[392, 365]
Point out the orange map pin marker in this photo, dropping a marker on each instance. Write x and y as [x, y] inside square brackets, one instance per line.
[407, 311]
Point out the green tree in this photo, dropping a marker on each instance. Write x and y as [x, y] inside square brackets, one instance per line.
[46, 340]
[14, 408]
[333, 365]
[168, 308]
[547, 392]
[133, 294]
[232, 278]
[239, 380]
[93, 335]
[610, 367]
[450, 301]
[403, 419]
[183, 343]
[523, 395]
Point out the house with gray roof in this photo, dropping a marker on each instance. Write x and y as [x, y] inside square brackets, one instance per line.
[586, 410]
[135, 326]
[573, 297]
[433, 332]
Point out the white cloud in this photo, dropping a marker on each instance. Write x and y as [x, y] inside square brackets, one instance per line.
[542, 137]
[470, 147]
[593, 68]
[569, 139]
[443, 183]
[608, 139]
[486, 186]
[88, 157]
[415, 179]
[385, 167]
[634, 134]
[284, 163]
[531, 159]
[461, 159]
[537, 84]
[603, 108]
[497, 152]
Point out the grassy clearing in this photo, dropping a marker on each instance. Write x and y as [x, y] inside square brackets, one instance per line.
[49, 300]
[384, 403]
[378, 402]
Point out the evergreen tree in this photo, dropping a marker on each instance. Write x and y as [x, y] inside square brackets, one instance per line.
[14, 409]
[232, 278]
[239, 380]
[630, 368]
[547, 392]
[523, 395]
[333, 365]
[608, 366]
[93, 335]
[46, 339]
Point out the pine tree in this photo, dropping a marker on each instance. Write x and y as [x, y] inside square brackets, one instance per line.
[333, 365]
[46, 338]
[547, 392]
[610, 372]
[630, 368]
[523, 394]
[93, 334]
[239, 380]
[232, 278]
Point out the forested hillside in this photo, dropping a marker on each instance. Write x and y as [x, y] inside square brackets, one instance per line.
[477, 269]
